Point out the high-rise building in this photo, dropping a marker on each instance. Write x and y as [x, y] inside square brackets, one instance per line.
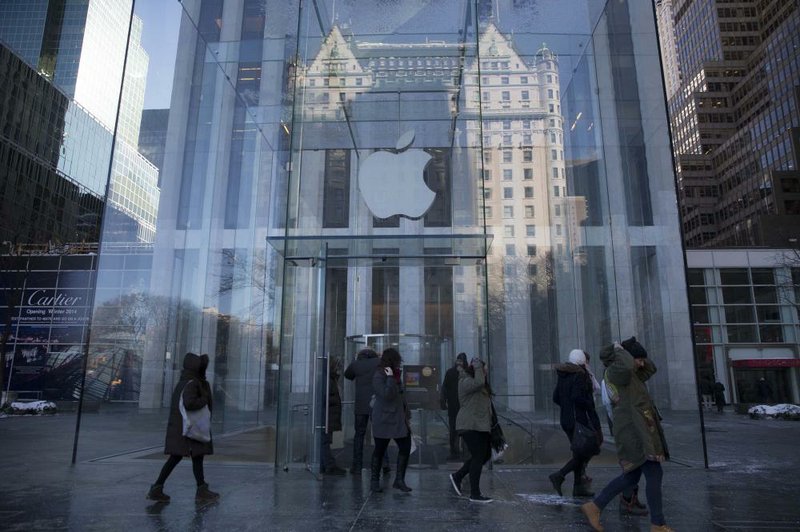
[80, 47]
[733, 117]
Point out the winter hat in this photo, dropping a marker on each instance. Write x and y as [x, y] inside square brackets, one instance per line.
[463, 358]
[633, 347]
[576, 356]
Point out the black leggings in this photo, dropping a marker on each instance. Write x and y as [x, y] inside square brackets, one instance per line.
[478, 446]
[381, 444]
[173, 460]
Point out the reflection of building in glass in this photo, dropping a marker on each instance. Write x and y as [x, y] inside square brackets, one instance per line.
[733, 118]
[80, 49]
[744, 306]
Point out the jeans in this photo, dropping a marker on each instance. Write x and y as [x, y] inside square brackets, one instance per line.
[173, 460]
[653, 474]
[478, 446]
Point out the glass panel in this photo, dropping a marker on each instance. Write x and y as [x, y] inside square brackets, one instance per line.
[771, 333]
[766, 294]
[742, 333]
[700, 314]
[736, 295]
[695, 277]
[729, 276]
[763, 275]
[739, 314]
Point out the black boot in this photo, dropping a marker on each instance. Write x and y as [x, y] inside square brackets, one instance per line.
[156, 493]
[375, 475]
[204, 494]
[400, 476]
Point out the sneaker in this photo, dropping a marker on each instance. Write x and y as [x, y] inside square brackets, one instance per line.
[480, 498]
[456, 485]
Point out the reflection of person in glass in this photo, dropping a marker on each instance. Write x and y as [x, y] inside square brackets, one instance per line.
[390, 419]
[449, 402]
[196, 393]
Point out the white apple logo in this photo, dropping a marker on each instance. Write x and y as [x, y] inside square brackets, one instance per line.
[393, 183]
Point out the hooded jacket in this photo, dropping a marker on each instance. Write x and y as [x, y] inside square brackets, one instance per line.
[196, 394]
[361, 371]
[574, 394]
[637, 426]
[476, 404]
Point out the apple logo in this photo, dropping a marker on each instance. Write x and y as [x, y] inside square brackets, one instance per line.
[392, 182]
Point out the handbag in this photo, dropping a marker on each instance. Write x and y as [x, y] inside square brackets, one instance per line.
[497, 440]
[584, 440]
[196, 423]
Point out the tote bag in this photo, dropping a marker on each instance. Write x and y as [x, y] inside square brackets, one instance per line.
[584, 440]
[196, 423]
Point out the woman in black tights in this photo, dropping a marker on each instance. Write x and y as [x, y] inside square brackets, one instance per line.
[196, 393]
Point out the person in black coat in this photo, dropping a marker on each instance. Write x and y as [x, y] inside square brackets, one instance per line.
[574, 394]
[449, 402]
[361, 371]
[334, 421]
[719, 396]
[196, 393]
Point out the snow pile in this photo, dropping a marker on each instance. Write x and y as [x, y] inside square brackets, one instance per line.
[31, 407]
[782, 411]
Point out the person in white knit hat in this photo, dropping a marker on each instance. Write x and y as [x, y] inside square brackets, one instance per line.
[574, 393]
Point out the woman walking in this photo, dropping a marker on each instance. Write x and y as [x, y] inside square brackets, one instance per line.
[474, 424]
[390, 419]
[196, 393]
[641, 446]
[574, 393]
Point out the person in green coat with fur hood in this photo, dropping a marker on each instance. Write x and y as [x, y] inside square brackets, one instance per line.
[641, 446]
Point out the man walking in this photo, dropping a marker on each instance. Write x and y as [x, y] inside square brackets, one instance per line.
[361, 371]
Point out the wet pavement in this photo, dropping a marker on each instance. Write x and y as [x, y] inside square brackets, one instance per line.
[752, 485]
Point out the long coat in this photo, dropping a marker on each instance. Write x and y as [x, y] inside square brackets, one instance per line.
[449, 392]
[574, 394]
[390, 414]
[196, 394]
[637, 425]
[361, 371]
[476, 405]
[334, 403]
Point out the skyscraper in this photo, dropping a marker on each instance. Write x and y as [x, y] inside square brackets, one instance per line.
[733, 117]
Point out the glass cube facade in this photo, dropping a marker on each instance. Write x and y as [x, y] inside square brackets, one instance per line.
[443, 176]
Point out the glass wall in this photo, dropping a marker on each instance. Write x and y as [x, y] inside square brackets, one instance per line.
[442, 176]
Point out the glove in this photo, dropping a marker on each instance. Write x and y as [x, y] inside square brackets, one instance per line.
[388, 371]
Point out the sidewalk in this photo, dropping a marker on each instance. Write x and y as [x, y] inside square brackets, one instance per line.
[753, 485]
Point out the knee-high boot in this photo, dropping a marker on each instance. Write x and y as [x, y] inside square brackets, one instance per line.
[400, 476]
[375, 472]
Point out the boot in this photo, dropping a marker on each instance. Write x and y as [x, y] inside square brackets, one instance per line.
[157, 494]
[204, 494]
[581, 490]
[661, 528]
[375, 475]
[631, 506]
[400, 476]
[592, 513]
[556, 479]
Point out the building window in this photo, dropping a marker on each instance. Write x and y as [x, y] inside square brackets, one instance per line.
[529, 211]
[558, 229]
[506, 124]
[530, 230]
[531, 248]
[526, 139]
[488, 211]
[556, 191]
[506, 139]
[487, 175]
[526, 95]
[485, 96]
[508, 193]
[528, 192]
[523, 80]
[487, 193]
[507, 174]
[558, 210]
[507, 156]
[506, 96]
[504, 80]
[555, 173]
[336, 191]
[487, 156]
[526, 124]
[510, 250]
[554, 154]
[527, 156]
[549, 93]
[527, 173]
[508, 231]
[508, 211]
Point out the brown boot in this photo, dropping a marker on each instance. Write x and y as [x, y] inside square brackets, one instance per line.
[592, 513]
[661, 528]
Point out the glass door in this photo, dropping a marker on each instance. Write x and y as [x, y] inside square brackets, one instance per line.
[303, 366]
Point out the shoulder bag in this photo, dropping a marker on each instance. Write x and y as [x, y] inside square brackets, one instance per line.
[196, 423]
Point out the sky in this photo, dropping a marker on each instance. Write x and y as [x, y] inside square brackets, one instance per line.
[161, 22]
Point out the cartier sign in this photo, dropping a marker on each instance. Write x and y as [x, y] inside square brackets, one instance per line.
[40, 298]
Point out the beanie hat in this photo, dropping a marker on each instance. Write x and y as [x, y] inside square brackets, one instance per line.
[633, 347]
[576, 356]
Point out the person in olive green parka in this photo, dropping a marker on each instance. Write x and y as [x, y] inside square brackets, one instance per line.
[641, 446]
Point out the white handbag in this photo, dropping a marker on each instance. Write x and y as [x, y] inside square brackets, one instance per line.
[196, 423]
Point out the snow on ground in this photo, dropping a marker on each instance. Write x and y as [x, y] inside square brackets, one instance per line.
[783, 411]
[32, 407]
